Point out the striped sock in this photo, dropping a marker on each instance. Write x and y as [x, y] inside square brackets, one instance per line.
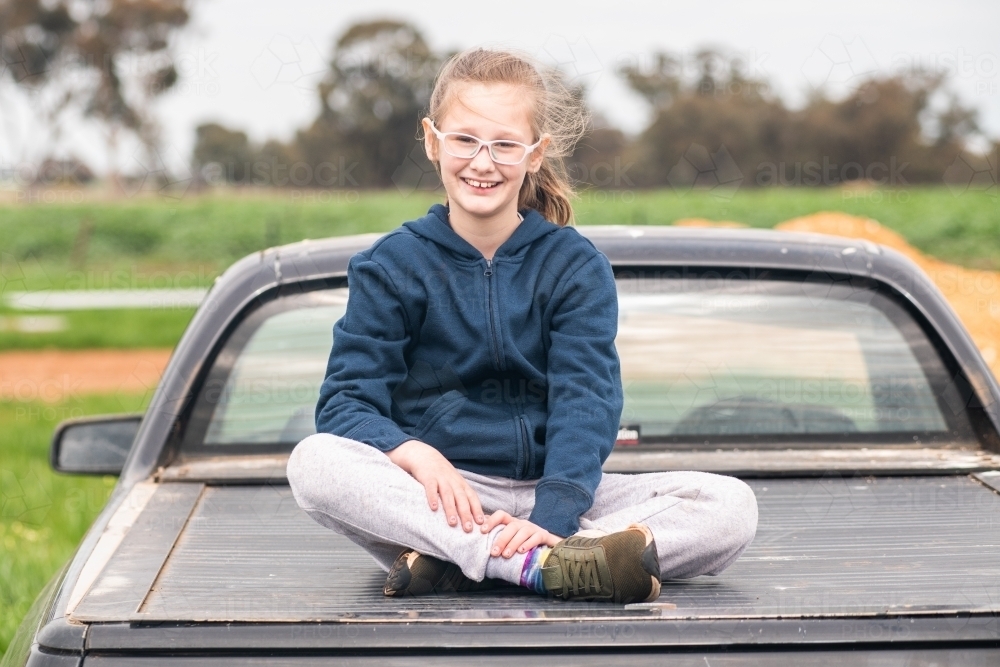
[531, 571]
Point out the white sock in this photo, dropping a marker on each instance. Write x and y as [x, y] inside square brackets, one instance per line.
[507, 569]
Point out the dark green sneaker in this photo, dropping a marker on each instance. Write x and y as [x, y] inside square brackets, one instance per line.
[621, 567]
[415, 574]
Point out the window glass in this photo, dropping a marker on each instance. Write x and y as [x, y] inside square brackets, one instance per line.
[704, 362]
[770, 357]
[270, 394]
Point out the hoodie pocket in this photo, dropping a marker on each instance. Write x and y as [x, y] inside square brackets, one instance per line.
[444, 403]
[480, 436]
[528, 469]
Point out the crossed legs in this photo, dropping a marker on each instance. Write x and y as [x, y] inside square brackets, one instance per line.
[701, 522]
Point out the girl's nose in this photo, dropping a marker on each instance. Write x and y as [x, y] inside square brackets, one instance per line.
[482, 160]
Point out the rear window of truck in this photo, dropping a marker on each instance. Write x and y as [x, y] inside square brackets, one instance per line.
[708, 360]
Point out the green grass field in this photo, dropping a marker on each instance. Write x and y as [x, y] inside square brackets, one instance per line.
[42, 515]
[187, 242]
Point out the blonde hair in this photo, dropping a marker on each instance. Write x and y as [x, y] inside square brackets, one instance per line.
[558, 111]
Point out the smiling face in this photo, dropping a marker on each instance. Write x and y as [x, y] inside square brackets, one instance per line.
[478, 187]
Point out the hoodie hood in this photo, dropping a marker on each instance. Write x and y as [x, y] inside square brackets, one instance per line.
[435, 227]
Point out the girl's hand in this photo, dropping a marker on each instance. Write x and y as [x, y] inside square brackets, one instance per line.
[519, 536]
[440, 479]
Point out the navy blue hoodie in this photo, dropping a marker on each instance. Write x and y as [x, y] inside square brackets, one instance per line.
[507, 366]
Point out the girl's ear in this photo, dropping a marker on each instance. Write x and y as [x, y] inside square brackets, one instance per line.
[538, 155]
[430, 141]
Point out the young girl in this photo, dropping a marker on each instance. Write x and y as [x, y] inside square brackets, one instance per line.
[473, 391]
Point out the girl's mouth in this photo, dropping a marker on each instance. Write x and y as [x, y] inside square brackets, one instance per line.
[481, 185]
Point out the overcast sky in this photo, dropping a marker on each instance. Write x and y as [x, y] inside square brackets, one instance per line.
[253, 65]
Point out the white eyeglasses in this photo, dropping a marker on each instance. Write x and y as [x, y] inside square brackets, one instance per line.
[501, 151]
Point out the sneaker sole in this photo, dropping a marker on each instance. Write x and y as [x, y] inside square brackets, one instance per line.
[401, 581]
[650, 559]
[398, 579]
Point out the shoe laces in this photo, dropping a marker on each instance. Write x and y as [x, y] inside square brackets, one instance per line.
[584, 576]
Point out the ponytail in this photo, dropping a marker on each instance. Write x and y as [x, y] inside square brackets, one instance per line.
[548, 191]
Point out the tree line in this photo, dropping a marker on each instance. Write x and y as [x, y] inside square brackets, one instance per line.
[715, 127]
[718, 129]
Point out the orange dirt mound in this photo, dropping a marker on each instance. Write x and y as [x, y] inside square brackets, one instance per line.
[841, 224]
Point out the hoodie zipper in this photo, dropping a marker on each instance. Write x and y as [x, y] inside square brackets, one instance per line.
[493, 327]
[526, 448]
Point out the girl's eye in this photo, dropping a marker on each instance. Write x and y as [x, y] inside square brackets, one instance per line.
[465, 139]
[506, 145]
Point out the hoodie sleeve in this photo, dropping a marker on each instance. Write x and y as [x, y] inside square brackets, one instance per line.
[584, 396]
[367, 361]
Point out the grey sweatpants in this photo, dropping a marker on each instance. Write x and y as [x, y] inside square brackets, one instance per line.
[701, 522]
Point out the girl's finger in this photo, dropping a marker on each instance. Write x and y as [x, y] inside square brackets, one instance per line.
[431, 489]
[494, 520]
[522, 534]
[477, 509]
[500, 543]
[464, 507]
[537, 537]
[448, 500]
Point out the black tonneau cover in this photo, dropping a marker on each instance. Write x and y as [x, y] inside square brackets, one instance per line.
[832, 547]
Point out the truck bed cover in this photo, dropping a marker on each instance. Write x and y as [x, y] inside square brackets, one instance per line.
[826, 547]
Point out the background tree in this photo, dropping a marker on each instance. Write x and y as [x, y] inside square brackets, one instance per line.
[712, 124]
[75, 51]
[888, 129]
[716, 108]
[379, 83]
[599, 157]
[888, 120]
[227, 152]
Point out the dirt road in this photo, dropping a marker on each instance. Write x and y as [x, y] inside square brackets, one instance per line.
[57, 375]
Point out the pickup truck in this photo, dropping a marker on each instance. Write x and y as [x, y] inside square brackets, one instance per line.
[828, 373]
